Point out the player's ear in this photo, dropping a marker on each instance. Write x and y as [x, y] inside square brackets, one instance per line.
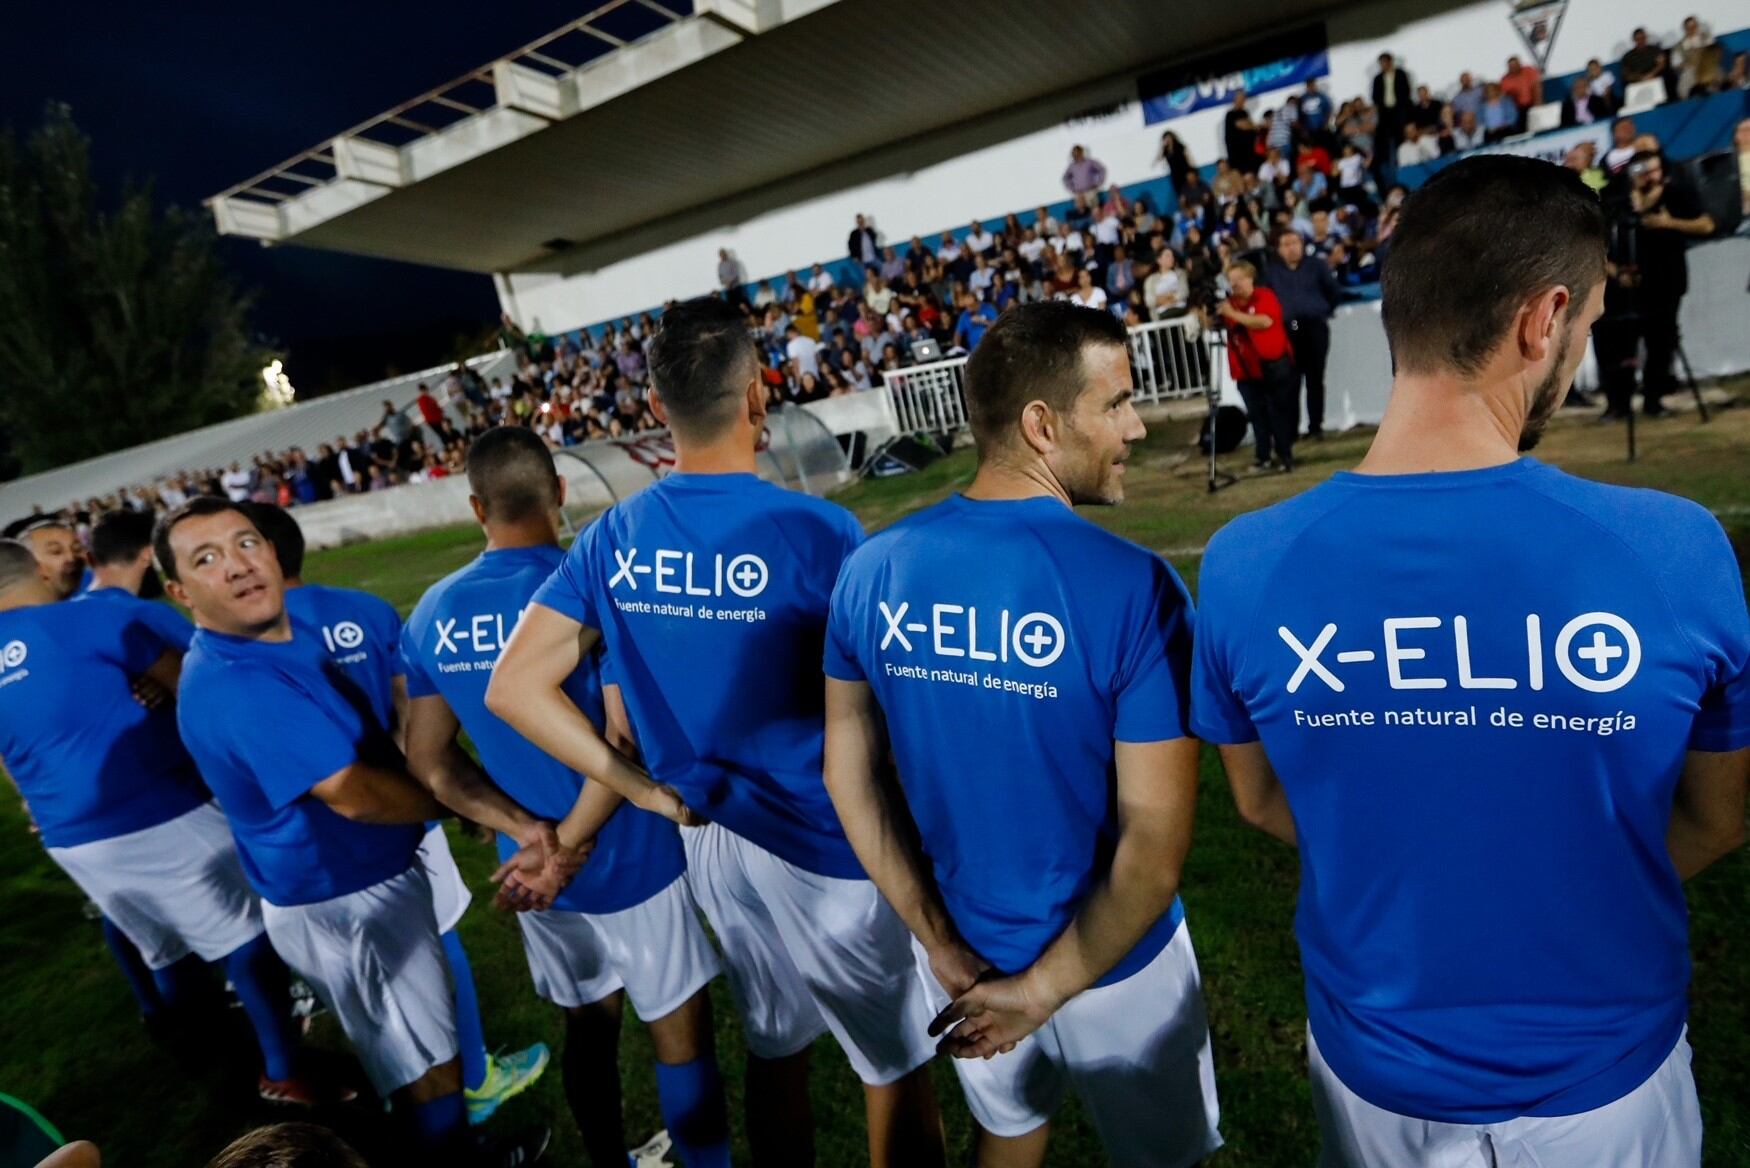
[479, 509]
[176, 592]
[563, 487]
[756, 402]
[657, 406]
[1039, 427]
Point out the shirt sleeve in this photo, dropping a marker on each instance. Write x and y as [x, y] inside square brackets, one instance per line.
[1722, 632]
[419, 683]
[305, 747]
[126, 635]
[1154, 688]
[571, 589]
[389, 629]
[168, 625]
[1217, 713]
[841, 661]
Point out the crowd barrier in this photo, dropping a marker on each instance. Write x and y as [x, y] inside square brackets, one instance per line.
[1169, 359]
[799, 452]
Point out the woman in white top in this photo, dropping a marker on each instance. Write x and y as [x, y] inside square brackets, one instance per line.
[1087, 294]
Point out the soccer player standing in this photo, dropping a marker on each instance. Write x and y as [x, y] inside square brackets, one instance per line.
[362, 635]
[1502, 712]
[121, 807]
[326, 817]
[626, 926]
[710, 590]
[1031, 672]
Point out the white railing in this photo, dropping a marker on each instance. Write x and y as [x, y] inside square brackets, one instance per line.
[1169, 359]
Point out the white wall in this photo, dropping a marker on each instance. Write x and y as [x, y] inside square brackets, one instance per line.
[1023, 172]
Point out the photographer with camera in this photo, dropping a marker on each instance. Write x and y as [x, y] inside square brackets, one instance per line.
[1262, 364]
[1653, 218]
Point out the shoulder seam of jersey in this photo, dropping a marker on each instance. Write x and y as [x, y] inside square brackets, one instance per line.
[1658, 585]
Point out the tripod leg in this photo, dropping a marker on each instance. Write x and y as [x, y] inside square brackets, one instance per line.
[1689, 376]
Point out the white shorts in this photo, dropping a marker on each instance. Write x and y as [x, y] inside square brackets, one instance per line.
[656, 951]
[174, 889]
[1136, 1053]
[1657, 1125]
[809, 953]
[450, 897]
[374, 957]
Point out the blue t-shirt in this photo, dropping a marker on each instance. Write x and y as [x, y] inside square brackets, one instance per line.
[1009, 645]
[448, 648]
[711, 593]
[1478, 689]
[267, 721]
[171, 626]
[91, 762]
[362, 634]
[974, 323]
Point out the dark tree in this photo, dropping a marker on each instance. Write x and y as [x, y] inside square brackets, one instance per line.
[117, 325]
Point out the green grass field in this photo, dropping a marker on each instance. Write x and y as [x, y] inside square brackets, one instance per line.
[70, 1043]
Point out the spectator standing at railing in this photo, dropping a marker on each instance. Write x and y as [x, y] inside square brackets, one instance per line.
[1391, 97]
[1523, 83]
[1175, 158]
[1240, 135]
[1084, 173]
[862, 245]
[396, 423]
[1309, 296]
[429, 409]
[730, 275]
[1315, 111]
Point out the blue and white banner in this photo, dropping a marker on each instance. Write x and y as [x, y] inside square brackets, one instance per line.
[1278, 62]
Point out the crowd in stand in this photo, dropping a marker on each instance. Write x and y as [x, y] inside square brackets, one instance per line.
[1322, 172]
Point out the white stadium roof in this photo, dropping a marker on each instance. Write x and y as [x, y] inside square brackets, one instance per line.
[576, 150]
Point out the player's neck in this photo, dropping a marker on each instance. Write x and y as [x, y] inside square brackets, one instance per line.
[127, 579]
[30, 594]
[732, 454]
[1439, 423]
[504, 537]
[292, 582]
[998, 481]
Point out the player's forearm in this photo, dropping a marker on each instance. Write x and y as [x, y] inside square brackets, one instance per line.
[368, 794]
[595, 805]
[1139, 887]
[1696, 846]
[880, 831]
[543, 714]
[1269, 813]
[460, 784]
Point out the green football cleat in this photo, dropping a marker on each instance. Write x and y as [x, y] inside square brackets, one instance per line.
[507, 1076]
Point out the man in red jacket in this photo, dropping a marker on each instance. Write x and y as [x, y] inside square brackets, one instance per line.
[1262, 365]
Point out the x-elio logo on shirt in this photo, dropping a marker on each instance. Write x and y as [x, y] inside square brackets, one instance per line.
[1595, 651]
[686, 573]
[1034, 638]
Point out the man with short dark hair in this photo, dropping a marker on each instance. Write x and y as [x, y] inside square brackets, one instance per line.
[327, 820]
[1261, 362]
[288, 1145]
[1084, 173]
[1507, 714]
[1309, 296]
[1239, 136]
[361, 635]
[709, 591]
[1029, 671]
[1643, 61]
[627, 926]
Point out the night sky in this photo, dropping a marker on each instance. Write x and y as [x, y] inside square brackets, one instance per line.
[200, 95]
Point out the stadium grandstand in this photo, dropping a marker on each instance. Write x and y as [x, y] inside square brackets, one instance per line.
[871, 190]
